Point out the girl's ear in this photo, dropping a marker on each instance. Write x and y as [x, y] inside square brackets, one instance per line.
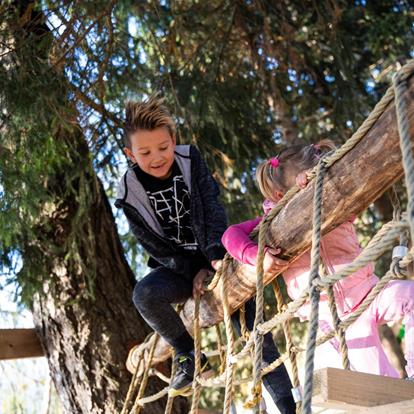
[279, 195]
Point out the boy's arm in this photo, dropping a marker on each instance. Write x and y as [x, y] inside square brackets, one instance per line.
[237, 242]
[214, 214]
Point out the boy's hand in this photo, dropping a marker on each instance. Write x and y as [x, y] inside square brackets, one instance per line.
[273, 264]
[216, 264]
[302, 179]
[198, 288]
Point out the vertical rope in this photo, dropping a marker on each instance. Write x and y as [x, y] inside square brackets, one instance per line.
[170, 400]
[221, 349]
[339, 331]
[230, 339]
[136, 409]
[132, 385]
[242, 316]
[290, 346]
[197, 356]
[258, 336]
[314, 291]
[400, 83]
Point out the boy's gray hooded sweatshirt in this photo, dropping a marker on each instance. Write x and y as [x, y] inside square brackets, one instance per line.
[208, 218]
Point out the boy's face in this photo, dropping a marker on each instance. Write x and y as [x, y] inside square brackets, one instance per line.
[153, 151]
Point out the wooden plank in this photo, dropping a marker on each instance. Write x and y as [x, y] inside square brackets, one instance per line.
[334, 407]
[359, 389]
[402, 407]
[351, 185]
[19, 343]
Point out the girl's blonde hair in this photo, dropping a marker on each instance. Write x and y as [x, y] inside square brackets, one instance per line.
[280, 175]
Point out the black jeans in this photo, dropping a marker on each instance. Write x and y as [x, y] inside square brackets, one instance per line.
[153, 296]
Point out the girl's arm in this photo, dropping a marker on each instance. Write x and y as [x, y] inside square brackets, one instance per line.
[237, 242]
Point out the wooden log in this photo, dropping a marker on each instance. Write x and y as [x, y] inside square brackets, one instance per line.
[351, 185]
[333, 386]
[19, 343]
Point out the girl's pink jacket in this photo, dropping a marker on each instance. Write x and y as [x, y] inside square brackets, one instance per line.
[338, 248]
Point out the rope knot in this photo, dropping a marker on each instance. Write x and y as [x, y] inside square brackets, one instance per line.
[256, 397]
[398, 271]
[401, 262]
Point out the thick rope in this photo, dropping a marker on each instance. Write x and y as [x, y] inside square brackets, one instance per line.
[170, 400]
[228, 396]
[384, 240]
[197, 354]
[314, 292]
[340, 333]
[254, 403]
[221, 349]
[289, 339]
[136, 409]
[243, 327]
[401, 85]
[132, 385]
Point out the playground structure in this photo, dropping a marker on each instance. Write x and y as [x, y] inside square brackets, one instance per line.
[234, 284]
[349, 189]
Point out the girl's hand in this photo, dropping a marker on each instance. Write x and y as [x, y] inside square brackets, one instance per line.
[198, 282]
[302, 179]
[216, 264]
[273, 264]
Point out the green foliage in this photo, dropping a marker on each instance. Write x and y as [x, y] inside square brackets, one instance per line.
[241, 78]
[37, 174]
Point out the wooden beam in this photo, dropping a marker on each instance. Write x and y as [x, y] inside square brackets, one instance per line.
[339, 386]
[19, 343]
[351, 185]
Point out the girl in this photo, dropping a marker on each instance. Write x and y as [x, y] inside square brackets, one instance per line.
[338, 248]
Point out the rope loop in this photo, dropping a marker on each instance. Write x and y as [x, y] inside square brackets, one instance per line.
[256, 397]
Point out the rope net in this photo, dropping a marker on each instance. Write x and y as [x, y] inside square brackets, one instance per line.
[251, 342]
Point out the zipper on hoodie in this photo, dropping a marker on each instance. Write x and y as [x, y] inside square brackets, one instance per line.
[192, 219]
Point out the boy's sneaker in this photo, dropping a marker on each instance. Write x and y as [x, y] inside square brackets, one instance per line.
[182, 382]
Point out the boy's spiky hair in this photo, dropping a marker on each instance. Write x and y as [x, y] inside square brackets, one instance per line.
[149, 114]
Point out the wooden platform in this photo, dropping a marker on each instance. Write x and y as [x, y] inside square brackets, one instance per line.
[340, 391]
[19, 343]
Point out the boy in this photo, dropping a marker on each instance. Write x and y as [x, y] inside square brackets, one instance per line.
[171, 202]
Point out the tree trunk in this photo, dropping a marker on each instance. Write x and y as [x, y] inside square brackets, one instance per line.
[86, 340]
[85, 336]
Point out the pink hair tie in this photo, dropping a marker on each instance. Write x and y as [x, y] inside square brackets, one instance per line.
[274, 162]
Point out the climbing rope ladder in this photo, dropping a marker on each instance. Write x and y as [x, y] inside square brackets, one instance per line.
[399, 227]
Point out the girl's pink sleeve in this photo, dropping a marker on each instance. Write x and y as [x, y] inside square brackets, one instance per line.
[237, 242]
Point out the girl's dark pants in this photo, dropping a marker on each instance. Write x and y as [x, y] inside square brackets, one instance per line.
[153, 296]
